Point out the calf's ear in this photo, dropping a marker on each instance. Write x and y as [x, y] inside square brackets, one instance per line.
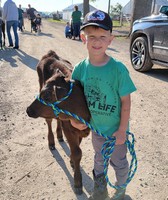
[68, 76]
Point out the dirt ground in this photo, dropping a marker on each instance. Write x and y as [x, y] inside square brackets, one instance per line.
[29, 170]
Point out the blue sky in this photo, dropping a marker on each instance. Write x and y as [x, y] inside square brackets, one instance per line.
[54, 5]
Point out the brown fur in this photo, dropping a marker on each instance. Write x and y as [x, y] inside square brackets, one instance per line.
[52, 87]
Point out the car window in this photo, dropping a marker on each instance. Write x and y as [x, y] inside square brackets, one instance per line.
[164, 10]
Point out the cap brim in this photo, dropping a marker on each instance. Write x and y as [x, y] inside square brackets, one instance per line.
[94, 24]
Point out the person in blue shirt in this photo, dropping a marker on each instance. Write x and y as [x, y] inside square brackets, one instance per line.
[68, 30]
[10, 15]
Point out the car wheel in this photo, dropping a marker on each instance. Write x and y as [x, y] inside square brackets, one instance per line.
[139, 55]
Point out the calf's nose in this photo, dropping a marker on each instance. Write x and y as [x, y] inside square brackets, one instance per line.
[31, 113]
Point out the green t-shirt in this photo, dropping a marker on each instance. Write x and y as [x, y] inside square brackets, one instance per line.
[76, 16]
[103, 87]
[20, 13]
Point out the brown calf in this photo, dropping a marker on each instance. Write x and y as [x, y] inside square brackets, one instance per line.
[52, 71]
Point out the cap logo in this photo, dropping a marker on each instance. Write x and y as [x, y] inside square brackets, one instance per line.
[97, 16]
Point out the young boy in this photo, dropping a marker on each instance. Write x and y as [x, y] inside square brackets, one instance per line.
[107, 87]
[68, 30]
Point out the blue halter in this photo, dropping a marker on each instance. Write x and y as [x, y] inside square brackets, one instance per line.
[108, 146]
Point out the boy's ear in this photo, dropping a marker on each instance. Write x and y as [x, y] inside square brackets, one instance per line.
[83, 38]
[111, 39]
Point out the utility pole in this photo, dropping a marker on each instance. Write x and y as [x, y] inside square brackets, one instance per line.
[153, 6]
[109, 2]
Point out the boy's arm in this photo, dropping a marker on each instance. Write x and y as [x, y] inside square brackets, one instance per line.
[120, 134]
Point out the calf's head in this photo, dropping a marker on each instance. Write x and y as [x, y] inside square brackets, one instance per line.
[54, 89]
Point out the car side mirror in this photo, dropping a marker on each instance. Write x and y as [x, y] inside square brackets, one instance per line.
[164, 10]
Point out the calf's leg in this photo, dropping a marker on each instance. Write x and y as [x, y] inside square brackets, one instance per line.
[59, 131]
[76, 154]
[51, 142]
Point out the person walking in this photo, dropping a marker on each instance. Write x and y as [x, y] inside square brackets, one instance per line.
[10, 15]
[76, 22]
[20, 19]
[31, 14]
[107, 87]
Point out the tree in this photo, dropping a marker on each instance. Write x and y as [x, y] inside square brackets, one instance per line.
[141, 8]
[86, 6]
[115, 10]
[109, 6]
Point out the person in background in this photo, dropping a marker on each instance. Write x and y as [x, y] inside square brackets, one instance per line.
[20, 21]
[31, 14]
[38, 22]
[107, 87]
[68, 30]
[10, 15]
[76, 22]
[2, 30]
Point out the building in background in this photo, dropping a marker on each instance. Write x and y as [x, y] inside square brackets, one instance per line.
[67, 12]
[127, 10]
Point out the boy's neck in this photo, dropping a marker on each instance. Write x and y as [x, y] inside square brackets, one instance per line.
[99, 60]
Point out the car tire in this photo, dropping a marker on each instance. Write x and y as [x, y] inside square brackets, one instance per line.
[139, 55]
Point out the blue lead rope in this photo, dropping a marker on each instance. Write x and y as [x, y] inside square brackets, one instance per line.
[108, 146]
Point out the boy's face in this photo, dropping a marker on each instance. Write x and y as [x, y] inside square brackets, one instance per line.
[96, 39]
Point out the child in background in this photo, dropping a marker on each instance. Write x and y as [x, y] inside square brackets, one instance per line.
[68, 30]
[38, 23]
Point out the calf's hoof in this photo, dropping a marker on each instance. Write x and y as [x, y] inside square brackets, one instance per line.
[72, 164]
[52, 147]
[78, 190]
[60, 139]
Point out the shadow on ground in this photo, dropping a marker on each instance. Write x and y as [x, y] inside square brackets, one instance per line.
[161, 74]
[11, 56]
[87, 181]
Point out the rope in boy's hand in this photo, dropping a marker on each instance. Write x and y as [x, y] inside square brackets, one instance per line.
[107, 150]
[108, 146]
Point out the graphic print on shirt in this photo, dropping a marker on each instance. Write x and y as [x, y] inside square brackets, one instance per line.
[101, 101]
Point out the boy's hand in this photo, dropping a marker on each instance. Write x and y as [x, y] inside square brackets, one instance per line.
[120, 137]
[80, 126]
